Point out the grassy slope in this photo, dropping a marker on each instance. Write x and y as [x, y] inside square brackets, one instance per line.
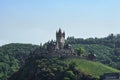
[91, 68]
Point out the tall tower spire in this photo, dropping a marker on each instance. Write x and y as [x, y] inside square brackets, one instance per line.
[60, 30]
[60, 39]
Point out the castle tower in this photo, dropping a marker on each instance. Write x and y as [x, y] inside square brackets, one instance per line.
[60, 39]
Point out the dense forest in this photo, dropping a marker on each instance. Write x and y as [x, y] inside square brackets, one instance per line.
[14, 55]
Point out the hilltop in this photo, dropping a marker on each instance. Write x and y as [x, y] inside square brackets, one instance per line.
[64, 59]
[52, 64]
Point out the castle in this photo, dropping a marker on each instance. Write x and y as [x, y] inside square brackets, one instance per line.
[56, 48]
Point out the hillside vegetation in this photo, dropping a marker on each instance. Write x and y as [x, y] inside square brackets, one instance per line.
[61, 69]
[107, 49]
[94, 69]
[12, 57]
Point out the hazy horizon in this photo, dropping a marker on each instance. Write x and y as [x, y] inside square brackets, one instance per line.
[36, 21]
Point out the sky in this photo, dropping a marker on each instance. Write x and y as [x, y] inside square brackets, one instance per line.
[36, 21]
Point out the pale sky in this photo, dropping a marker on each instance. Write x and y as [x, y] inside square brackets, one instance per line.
[36, 21]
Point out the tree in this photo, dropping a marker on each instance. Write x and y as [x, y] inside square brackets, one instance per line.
[70, 75]
[80, 51]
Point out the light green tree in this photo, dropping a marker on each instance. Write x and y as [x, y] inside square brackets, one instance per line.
[80, 51]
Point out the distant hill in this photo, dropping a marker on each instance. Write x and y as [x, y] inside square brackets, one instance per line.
[61, 69]
[12, 57]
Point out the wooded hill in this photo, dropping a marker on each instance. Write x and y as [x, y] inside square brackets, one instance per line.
[12, 57]
[107, 50]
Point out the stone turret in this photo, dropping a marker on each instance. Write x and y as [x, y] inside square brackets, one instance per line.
[60, 39]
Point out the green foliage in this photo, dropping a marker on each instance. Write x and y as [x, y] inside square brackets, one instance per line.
[80, 51]
[66, 78]
[60, 69]
[107, 49]
[12, 57]
[70, 74]
[90, 68]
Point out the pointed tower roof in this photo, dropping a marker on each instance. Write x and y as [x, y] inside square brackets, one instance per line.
[59, 30]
